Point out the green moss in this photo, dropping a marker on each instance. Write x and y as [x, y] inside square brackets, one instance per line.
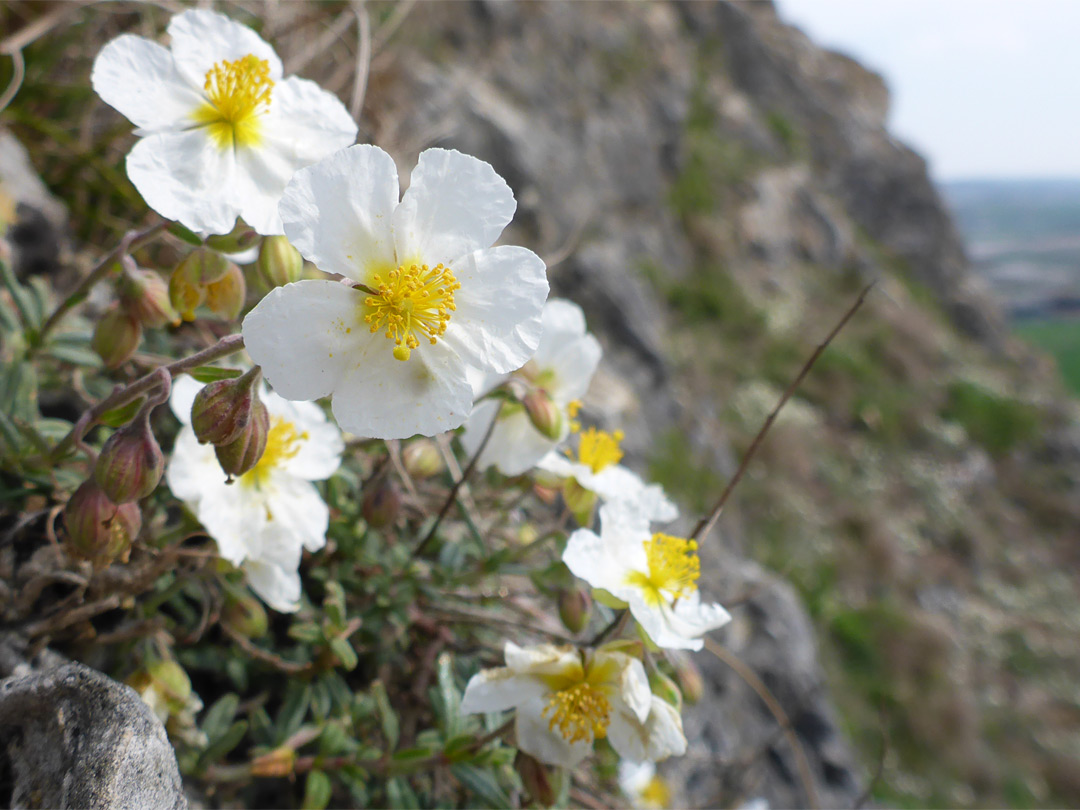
[998, 423]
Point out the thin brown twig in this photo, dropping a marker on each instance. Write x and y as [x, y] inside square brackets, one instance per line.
[363, 59]
[79, 614]
[706, 524]
[18, 73]
[34, 30]
[754, 682]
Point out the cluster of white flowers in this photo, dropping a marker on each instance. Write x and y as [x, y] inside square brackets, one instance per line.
[427, 327]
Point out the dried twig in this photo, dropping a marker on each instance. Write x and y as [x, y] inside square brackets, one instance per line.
[363, 59]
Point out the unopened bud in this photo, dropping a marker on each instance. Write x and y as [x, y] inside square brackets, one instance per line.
[691, 683]
[536, 778]
[422, 459]
[116, 337]
[239, 239]
[222, 409]
[243, 453]
[381, 504]
[245, 615]
[666, 689]
[545, 415]
[575, 606]
[226, 296]
[186, 290]
[579, 501]
[279, 262]
[145, 296]
[130, 465]
[98, 529]
[278, 762]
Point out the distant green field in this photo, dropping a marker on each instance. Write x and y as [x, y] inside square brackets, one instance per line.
[1060, 337]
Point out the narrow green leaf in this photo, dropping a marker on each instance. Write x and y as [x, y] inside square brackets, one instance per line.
[344, 652]
[306, 631]
[209, 374]
[221, 747]
[400, 795]
[293, 710]
[449, 697]
[122, 415]
[317, 791]
[482, 783]
[391, 728]
[220, 716]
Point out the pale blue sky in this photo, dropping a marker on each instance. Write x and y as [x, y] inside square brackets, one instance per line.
[981, 88]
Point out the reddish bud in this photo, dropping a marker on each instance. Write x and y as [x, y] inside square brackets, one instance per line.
[381, 504]
[145, 296]
[131, 462]
[222, 409]
[98, 529]
[279, 262]
[226, 296]
[544, 414]
[243, 453]
[116, 337]
[536, 778]
[575, 606]
[422, 459]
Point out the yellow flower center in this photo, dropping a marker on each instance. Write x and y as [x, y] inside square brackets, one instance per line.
[239, 93]
[655, 794]
[598, 449]
[413, 299]
[581, 712]
[674, 569]
[282, 443]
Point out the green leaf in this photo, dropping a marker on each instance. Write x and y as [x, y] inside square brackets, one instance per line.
[345, 653]
[178, 230]
[76, 355]
[52, 429]
[219, 716]
[123, 414]
[9, 433]
[220, 748]
[459, 747]
[24, 302]
[334, 740]
[209, 374]
[390, 727]
[449, 697]
[317, 791]
[334, 603]
[481, 782]
[411, 754]
[293, 710]
[400, 795]
[306, 631]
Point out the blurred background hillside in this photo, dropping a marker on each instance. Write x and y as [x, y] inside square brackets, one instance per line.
[714, 189]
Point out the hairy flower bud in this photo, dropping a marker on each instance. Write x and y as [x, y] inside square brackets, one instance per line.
[422, 459]
[691, 683]
[222, 409]
[145, 296]
[575, 606]
[186, 290]
[244, 615]
[116, 337]
[243, 453]
[279, 262]
[580, 501]
[226, 296]
[544, 414]
[381, 503]
[536, 778]
[239, 239]
[666, 689]
[131, 462]
[98, 529]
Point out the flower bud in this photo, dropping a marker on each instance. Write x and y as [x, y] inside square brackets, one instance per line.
[222, 409]
[545, 415]
[536, 778]
[575, 606]
[580, 501]
[226, 296]
[279, 262]
[243, 453]
[239, 239]
[186, 289]
[130, 465]
[245, 615]
[664, 688]
[145, 297]
[381, 504]
[278, 762]
[116, 337]
[422, 459]
[98, 529]
[691, 683]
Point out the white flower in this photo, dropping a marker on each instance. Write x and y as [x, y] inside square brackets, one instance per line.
[438, 298]
[655, 574]
[565, 698]
[643, 786]
[221, 131]
[267, 516]
[597, 469]
[562, 367]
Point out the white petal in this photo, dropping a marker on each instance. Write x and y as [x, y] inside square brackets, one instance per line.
[634, 688]
[590, 559]
[295, 507]
[558, 464]
[497, 324]
[679, 628]
[665, 731]
[201, 39]
[495, 690]
[455, 204]
[308, 122]
[191, 467]
[614, 482]
[634, 777]
[138, 78]
[545, 660]
[483, 381]
[627, 734]
[303, 335]
[573, 365]
[536, 739]
[515, 445]
[656, 504]
[338, 212]
[385, 398]
[234, 515]
[182, 397]
[319, 452]
[186, 177]
[278, 587]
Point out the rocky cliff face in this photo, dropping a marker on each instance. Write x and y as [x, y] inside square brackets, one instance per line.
[713, 189]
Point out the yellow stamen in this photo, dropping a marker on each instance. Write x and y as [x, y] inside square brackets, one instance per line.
[598, 449]
[674, 569]
[581, 712]
[412, 299]
[282, 443]
[655, 794]
[239, 93]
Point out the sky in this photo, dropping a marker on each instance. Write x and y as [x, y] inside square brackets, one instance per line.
[981, 88]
